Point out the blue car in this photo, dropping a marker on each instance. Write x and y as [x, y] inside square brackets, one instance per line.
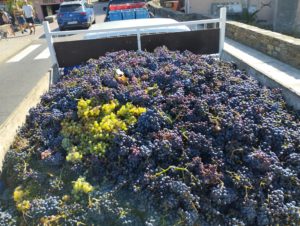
[75, 14]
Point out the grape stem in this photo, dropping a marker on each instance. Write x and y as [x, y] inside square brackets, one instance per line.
[25, 167]
[177, 169]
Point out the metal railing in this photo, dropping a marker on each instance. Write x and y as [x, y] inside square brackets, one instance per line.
[138, 31]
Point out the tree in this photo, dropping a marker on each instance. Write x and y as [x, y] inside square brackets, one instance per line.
[13, 4]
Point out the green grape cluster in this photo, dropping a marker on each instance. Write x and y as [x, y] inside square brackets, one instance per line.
[19, 196]
[96, 124]
[74, 155]
[82, 186]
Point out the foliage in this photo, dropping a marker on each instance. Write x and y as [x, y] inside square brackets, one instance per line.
[15, 4]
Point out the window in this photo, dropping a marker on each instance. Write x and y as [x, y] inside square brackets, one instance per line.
[70, 8]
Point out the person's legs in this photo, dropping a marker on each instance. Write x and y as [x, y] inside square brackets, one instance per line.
[9, 30]
[28, 22]
[22, 23]
[31, 25]
[22, 27]
[12, 30]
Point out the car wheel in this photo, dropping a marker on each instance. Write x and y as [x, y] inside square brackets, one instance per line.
[61, 28]
[94, 21]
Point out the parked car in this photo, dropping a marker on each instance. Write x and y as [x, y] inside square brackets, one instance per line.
[126, 10]
[135, 24]
[75, 14]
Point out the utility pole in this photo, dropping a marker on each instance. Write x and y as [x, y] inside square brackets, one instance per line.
[187, 6]
[248, 4]
[275, 14]
[245, 4]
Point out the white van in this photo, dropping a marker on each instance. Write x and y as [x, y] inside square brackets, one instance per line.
[134, 24]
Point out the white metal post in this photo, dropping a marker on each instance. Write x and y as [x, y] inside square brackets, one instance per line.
[187, 7]
[139, 40]
[50, 42]
[222, 27]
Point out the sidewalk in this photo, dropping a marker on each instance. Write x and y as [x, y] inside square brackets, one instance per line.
[265, 69]
[14, 44]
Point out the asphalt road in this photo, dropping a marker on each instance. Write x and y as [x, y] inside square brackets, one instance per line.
[21, 72]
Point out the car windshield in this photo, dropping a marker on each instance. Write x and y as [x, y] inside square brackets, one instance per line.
[70, 8]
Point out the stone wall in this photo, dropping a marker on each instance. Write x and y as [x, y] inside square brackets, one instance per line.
[159, 11]
[282, 47]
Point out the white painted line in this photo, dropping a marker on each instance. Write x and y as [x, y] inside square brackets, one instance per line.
[23, 54]
[43, 55]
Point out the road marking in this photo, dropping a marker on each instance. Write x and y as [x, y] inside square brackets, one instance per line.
[23, 54]
[43, 55]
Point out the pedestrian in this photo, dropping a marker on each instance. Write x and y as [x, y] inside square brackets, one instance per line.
[7, 20]
[28, 13]
[1, 17]
[18, 13]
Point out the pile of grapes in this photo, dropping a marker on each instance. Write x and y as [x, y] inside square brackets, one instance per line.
[162, 138]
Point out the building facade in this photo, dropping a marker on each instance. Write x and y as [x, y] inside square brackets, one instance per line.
[3, 4]
[297, 20]
[45, 8]
[210, 7]
[287, 17]
[282, 15]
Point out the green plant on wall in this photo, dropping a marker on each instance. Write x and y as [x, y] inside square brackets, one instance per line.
[250, 17]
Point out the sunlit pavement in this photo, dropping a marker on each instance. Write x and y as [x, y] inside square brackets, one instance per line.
[24, 60]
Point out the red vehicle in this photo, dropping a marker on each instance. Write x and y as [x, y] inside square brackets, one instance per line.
[126, 10]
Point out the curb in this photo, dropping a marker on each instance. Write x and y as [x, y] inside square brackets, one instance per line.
[291, 96]
[16, 119]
